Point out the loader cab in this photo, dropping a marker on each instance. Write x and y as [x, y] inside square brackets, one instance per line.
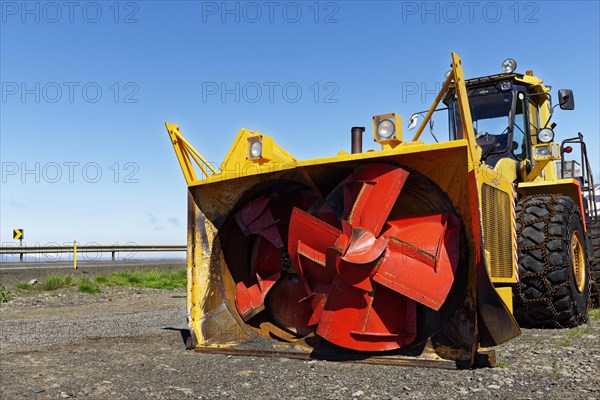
[504, 118]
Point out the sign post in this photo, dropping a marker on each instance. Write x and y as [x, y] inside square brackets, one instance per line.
[19, 233]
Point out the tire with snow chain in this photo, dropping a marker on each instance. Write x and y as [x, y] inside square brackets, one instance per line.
[554, 279]
[594, 238]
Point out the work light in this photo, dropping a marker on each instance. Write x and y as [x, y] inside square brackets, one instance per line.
[509, 65]
[386, 129]
[546, 135]
[255, 148]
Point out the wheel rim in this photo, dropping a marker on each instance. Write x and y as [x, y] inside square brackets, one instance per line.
[578, 261]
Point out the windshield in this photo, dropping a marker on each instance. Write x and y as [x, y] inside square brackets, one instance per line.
[490, 111]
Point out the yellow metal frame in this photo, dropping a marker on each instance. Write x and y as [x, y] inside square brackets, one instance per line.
[506, 294]
[186, 153]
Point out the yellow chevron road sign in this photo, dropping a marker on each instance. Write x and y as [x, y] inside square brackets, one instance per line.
[18, 233]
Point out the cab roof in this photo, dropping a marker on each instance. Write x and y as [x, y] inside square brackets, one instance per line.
[532, 83]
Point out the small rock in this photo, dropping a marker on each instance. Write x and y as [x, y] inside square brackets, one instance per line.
[65, 395]
[245, 372]
[32, 281]
[358, 393]
[86, 389]
[493, 387]
[36, 389]
[187, 391]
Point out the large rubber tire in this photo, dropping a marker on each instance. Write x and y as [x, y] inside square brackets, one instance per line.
[547, 295]
[594, 238]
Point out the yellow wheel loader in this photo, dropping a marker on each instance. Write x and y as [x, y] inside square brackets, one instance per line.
[414, 254]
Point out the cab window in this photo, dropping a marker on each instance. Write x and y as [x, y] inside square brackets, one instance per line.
[521, 128]
[490, 112]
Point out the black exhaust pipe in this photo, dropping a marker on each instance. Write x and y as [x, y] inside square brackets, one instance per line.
[357, 132]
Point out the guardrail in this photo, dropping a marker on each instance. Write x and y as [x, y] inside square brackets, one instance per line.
[89, 249]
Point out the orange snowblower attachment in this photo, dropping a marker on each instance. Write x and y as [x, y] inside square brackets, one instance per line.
[372, 256]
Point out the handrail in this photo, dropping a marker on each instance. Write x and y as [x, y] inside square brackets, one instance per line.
[587, 180]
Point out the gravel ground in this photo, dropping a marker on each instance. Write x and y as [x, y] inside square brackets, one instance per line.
[128, 344]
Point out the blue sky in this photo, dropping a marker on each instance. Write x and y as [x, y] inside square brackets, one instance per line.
[86, 89]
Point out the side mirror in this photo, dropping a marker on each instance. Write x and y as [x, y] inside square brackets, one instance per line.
[565, 99]
[413, 121]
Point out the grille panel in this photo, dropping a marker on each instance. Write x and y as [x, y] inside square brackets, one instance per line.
[497, 230]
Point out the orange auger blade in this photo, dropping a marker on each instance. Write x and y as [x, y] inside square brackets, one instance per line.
[367, 321]
[380, 185]
[308, 240]
[294, 306]
[250, 297]
[359, 261]
[261, 217]
[422, 258]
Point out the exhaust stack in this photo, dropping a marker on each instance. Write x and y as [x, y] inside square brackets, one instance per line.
[357, 132]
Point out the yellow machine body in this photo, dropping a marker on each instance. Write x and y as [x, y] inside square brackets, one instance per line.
[484, 197]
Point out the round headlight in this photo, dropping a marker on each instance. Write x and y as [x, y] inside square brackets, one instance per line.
[386, 129]
[509, 65]
[256, 149]
[546, 135]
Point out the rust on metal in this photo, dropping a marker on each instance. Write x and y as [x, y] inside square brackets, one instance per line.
[483, 358]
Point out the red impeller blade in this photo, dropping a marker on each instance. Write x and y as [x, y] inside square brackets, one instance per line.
[379, 187]
[367, 321]
[308, 240]
[262, 217]
[356, 263]
[293, 306]
[421, 258]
